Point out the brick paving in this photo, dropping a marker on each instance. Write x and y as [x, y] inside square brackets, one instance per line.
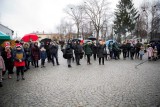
[116, 84]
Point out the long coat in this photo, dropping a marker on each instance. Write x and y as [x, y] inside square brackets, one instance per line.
[101, 51]
[94, 49]
[36, 53]
[88, 49]
[2, 65]
[68, 51]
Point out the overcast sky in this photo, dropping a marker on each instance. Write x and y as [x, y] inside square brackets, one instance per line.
[26, 16]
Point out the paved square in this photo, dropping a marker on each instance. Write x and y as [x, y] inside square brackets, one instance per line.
[115, 84]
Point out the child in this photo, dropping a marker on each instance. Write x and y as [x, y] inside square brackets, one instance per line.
[141, 53]
[108, 54]
[155, 52]
[2, 68]
[43, 56]
[19, 61]
[150, 52]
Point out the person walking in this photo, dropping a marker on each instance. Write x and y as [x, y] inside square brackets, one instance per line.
[150, 52]
[19, 61]
[88, 51]
[132, 51]
[78, 51]
[137, 46]
[68, 52]
[54, 52]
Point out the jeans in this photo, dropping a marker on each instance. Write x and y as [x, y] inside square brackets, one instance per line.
[56, 57]
[20, 69]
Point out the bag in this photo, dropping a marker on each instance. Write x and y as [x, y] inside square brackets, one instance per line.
[81, 55]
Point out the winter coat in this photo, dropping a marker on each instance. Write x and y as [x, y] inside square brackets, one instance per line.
[68, 51]
[78, 49]
[101, 51]
[8, 61]
[124, 47]
[150, 52]
[27, 51]
[35, 53]
[94, 49]
[53, 49]
[116, 47]
[132, 49]
[2, 65]
[87, 49]
[128, 46]
[19, 55]
[43, 54]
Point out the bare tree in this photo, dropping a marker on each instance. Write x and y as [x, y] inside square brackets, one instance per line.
[96, 10]
[76, 13]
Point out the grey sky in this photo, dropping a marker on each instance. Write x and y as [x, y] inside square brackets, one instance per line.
[26, 16]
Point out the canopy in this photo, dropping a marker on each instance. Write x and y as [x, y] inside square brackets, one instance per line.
[4, 36]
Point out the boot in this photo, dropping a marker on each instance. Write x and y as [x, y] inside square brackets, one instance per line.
[23, 77]
[17, 78]
[9, 76]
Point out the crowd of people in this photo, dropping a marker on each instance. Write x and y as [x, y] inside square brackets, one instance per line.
[24, 55]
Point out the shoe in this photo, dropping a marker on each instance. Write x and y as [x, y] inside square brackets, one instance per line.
[58, 64]
[23, 78]
[69, 66]
[53, 65]
[44, 66]
[37, 66]
[17, 79]
[79, 64]
[9, 77]
[1, 84]
[41, 66]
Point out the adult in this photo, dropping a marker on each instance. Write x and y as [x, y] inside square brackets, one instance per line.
[137, 47]
[110, 47]
[68, 52]
[7, 55]
[27, 51]
[94, 50]
[116, 50]
[88, 51]
[128, 46]
[53, 48]
[35, 54]
[124, 50]
[101, 49]
[78, 50]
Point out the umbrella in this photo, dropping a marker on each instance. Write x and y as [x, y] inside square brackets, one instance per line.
[91, 38]
[45, 40]
[28, 37]
[108, 41]
[74, 40]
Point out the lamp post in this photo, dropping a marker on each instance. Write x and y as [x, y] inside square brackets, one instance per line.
[146, 24]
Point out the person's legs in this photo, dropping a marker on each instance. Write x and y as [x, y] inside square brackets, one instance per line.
[37, 63]
[1, 78]
[17, 72]
[94, 56]
[57, 59]
[22, 72]
[103, 60]
[69, 62]
[89, 59]
[53, 60]
[99, 61]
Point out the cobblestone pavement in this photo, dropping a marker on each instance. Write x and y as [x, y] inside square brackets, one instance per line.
[116, 84]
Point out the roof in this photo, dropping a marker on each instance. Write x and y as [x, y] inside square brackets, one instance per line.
[6, 27]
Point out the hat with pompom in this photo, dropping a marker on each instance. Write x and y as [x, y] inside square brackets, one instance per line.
[7, 44]
[18, 45]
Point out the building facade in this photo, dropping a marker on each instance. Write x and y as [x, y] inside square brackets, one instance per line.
[6, 30]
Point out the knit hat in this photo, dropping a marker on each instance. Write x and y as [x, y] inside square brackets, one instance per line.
[18, 45]
[7, 44]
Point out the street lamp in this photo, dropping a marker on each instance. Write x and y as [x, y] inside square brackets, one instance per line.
[147, 24]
